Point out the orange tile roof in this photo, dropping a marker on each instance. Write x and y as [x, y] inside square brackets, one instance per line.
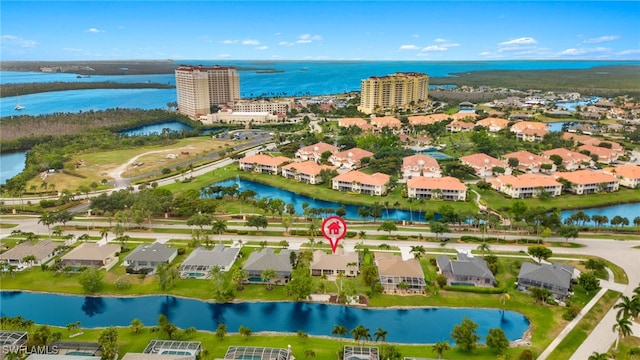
[586, 177]
[308, 167]
[526, 181]
[525, 158]
[354, 154]
[346, 122]
[388, 121]
[362, 178]
[444, 183]
[492, 121]
[319, 147]
[538, 132]
[596, 150]
[481, 160]
[461, 124]
[518, 127]
[420, 160]
[567, 155]
[427, 119]
[263, 159]
[627, 171]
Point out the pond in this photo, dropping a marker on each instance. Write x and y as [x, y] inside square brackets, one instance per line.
[414, 325]
[11, 164]
[174, 126]
[628, 211]
[268, 191]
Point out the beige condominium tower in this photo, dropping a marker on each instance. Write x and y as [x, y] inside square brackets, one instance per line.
[401, 90]
[201, 87]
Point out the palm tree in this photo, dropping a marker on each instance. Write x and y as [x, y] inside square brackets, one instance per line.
[598, 356]
[381, 334]
[218, 227]
[340, 331]
[360, 333]
[244, 331]
[267, 275]
[484, 247]
[221, 331]
[440, 348]
[309, 354]
[238, 276]
[47, 219]
[627, 307]
[623, 328]
[418, 251]
[136, 325]
[104, 234]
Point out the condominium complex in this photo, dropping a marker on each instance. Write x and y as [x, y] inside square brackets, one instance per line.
[200, 87]
[400, 90]
[273, 107]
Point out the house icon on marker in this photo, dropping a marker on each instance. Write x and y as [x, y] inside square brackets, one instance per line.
[334, 228]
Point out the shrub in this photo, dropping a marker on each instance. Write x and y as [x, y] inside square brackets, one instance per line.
[473, 289]
[181, 251]
[526, 354]
[122, 283]
[571, 313]
[441, 280]
[242, 232]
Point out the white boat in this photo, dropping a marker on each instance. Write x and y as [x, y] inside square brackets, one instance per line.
[18, 106]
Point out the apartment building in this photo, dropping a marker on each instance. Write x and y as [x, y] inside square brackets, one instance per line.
[264, 164]
[273, 107]
[571, 160]
[420, 165]
[528, 162]
[400, 90]
[629, 175]
[484, 164]
[359, 182]
[199, 88]
[307, 172]
[589, 181]
[350, 159]
[604, 155]
[526, 185]
[314, 152]
[493, 124]
[446, 188]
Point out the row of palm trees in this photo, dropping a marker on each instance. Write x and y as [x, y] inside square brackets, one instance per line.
[628, 308]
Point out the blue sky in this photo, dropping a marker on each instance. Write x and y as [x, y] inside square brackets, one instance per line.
[320, 30]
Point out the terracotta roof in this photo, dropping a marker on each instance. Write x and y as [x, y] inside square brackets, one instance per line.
[421, 161]
[481, 160]
[600, 151]
[526, 181]
[263, 159]
[427, 119]
[444, 183]
[627, 171]
[308, 167]
[463, 115]
[319, 147]
[346, 122]
[567, 155]
[538, 132]
[526, 158]
[518, 127]
[461, 124]
[493, 122]
[586, 177]
[354, 154]
[362, 178]
[388, 121]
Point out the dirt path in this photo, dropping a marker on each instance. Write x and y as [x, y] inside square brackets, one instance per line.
[116, 173]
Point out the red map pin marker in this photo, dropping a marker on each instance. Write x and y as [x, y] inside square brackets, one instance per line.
[334, 229]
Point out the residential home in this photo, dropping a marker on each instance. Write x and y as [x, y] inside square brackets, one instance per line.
[629, 175]
[145, 259]
[520, 117]
[359, 182]
[168, 350]
[386, 121]
[360, 352]
[528, 162]
[531, 135]
[92, 255]
[43, 251]
[265, 164]
[590, 140]
[466, 270]
[201, 261]
[314, 152]
[267, 259]
[605, 156]
[554, 277]
[588, 181]
[446, 188]
[526, 185]
[330, 264]
[257, 353]
[349, 159]
[493, 124]
[392, 271]
[307, 172]
[349, 122]
[484, 164]
[459, 126]
[417, 120]
[520, 126]
[420, 165]
[571, 160]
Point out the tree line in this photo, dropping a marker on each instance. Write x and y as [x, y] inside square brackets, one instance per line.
[34, 88]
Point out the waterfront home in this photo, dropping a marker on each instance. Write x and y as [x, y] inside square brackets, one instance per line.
[554, 277]
[417, 120]
[349, 122]
[603, 155]
[349, 159]
[588, 181]
[70, 350]
[360, 352]
[92, 255]
[520, 126]
[629, 175]
[201, 261]
[571, 160]
[359, 182]
[314, 152]
[397, 275]
[145, 259]
[446, 188]
[254, 352]
[332, 264]
[484, 165]
[307, 172]
[466, 270]
[267, 259]
[420, 165]
[531, 135]
[526, 185]
[265, 164]
[42, 251]
[13, 339]
[590, 140]
[528, 162]
[168, 350]
[520, 117]
[493, 124]
[465, 105]
[459, 126]
[386, 121]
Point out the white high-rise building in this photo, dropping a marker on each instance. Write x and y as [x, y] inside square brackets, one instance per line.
[400, 90]
[200, 87]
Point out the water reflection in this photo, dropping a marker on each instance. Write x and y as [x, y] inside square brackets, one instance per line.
[93, 306]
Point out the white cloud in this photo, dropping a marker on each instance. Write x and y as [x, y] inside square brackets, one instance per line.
[583, 51]
[262, 47]
[629, 52]
[285, 43]
[601, 39]
[308, 38]
[440, 40]
[434, 48]
[95, 30]
[415, 36]
[485, 53]
[250, 42]
[223, 56]
[230, 41]
[72, 49]
[409, 47]
[515, 48]
[17, 41]
[519, 41]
